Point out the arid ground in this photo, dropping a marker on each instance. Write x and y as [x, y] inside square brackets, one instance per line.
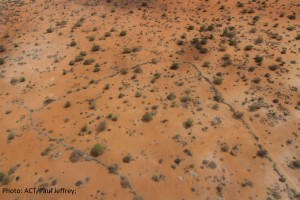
[149, 100]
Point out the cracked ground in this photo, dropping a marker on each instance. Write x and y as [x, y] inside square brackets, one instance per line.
[150, 100]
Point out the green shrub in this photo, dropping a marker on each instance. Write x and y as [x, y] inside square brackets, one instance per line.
[126, 51]
[123, 33]
[97, 150]
[75, 156]
[67, 104]
[46, 151]
[248, 48]
[78, 58]
[96, 69]
[73, 43]
[4, 179]
[215, 107]
[10, 136]
[262, 153]
[1, 61]
[95, 47]
[2, 49]
[127, 159]
[174, 66]
[256, 80]
[2, 175]
[211, 27]
[107, 34]
[180, 43]
[50, 30]
[188, 123]
[171, 96]
[218, 80]
[147, 117]
[191, 27]
[82, 53]
[22, 79]
[258, 59]
[91, 38]
[101, 126]
[88, 61]
[292, 17]
[84, 128]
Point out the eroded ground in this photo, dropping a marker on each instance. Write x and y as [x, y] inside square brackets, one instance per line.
[150, 100]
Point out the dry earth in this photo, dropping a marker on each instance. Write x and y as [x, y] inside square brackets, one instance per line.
[150, 99]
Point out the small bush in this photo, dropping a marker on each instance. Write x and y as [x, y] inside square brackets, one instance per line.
[91, 38]
[79, 58]
[67, 104]
[106, 86]
[218, 80]
[292, 17]
[50, 30]
[188, 123]
[210, 27]
[237, 115]
[82, 53]
[88, 61]
[171, 96]
[2, 175]
[224, 147]
[180, 43]
[138, 70]
[13, 80]
[256, 80]
[46, 151]
[215, 107]
[75, 156]
[48, 101]
[147, 117]
[262, 153]
[4, 179]
[2, 49]
[101, 126]
[258, 40]
[126, 51]
[22, 79]
[1, 61]
[10, 136]
[174, 66]
[95, 47]
[123, 33]
[84, 128]
[258, 59]
[73, 44]
[248, 48]
[191, 27]
[127, 159]
[96, 69]
[113, 169]
[107, 34]
[97, 150]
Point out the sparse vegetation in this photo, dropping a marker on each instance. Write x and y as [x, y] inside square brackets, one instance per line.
[101, 126]
[188, 123]
[97, 150]
[147, 117]
[95, 47]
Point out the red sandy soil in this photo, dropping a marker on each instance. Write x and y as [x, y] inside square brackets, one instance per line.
[220, 124]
